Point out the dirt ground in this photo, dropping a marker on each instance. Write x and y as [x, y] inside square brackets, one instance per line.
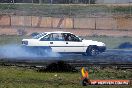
[79, 32]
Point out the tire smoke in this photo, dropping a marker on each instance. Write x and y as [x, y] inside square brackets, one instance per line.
[16, 51]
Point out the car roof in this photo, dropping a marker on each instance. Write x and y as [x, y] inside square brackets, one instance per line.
[57, 32]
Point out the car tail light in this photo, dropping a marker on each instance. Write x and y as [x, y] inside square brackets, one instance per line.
[25, 42]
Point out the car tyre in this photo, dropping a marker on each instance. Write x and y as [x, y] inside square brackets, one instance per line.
[92, 51]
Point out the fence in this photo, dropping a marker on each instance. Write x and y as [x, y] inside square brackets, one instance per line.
[121, 23]
[50, 1]
[78, 16]
[68, 1]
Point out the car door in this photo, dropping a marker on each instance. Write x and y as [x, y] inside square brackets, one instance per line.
[44, 41]
[73, 43]
[55, 41]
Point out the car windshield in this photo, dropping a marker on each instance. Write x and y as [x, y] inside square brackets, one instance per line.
[39, 35]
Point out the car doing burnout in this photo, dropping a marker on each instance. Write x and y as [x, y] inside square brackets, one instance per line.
[63, 42]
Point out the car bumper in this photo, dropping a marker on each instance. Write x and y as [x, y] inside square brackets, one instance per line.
[102, 48]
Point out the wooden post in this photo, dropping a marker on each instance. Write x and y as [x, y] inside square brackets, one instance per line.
[13, 2]
[89, 1]
[52, 22]
[10, 20]
[73, 23]
[51, 1]
[40, 1]
[95, 24]
[31, 21]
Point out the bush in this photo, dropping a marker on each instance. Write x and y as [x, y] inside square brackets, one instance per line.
[34, 34]
[21, 32]
[125, 45]
[59, 66]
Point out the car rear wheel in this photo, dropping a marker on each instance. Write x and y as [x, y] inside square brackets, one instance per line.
[92, 51]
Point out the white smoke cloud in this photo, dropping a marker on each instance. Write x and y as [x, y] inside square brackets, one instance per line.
[16, 51]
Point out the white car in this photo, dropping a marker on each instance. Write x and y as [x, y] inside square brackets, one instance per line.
[64, 42]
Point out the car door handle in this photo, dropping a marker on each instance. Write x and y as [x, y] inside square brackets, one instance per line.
[51, 42]
[66, 42]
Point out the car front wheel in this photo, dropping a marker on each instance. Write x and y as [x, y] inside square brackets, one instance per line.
[92, 51]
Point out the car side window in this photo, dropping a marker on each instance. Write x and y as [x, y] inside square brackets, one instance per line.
[71, 37]
[46, 38]
[74, 38]
[56, 37]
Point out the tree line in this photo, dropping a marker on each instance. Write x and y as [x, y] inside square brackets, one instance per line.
[51, 1]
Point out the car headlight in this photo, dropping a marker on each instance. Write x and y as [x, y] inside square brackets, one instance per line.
[103, 44]
[25, 42]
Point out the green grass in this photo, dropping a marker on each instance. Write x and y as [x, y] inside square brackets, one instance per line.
[14, 77]
[111, 42]
[78, 10]
[10, 39]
